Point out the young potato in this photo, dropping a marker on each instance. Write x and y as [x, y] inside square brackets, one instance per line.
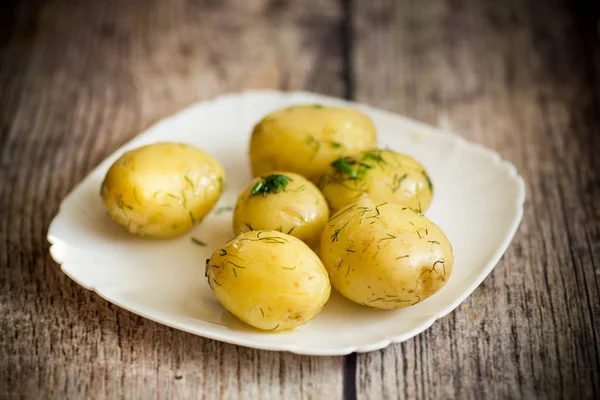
[269, 280]
[162, 190]
[385, 255]
[282, 201]
[383, 174]
[306, 139]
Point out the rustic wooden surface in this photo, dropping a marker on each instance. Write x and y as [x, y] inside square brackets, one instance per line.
[79, 78]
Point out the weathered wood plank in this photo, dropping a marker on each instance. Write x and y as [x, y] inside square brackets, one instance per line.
[77, 79]
[523, 80]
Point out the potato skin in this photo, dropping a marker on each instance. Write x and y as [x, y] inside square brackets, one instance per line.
[385, 255]
[162, 190]
[269, 280]
[384, 175]
[299, 209]
[306, 139]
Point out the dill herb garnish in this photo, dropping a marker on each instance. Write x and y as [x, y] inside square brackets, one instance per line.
[350, 166]
[270, 184]
[336, 233]
[397, 182]
[198, 242]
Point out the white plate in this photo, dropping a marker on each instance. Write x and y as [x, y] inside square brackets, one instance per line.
[478, 202]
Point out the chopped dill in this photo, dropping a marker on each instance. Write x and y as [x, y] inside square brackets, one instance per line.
[262, 312]
[236, 265]
[340, 213]
[269, 330]
[192, 219]
[388, 237]
[290, 268]
[336, 145]
[351, 251]
[121, 204]
[222, 252]
[379, 205]
[249, 226]
[397, 182]
[429, 183]
[434, 242]
[318, 106]
[374, 155]
[291, 230]
[311, 141]
[350, 166]
[187, 178]
[173, 196]
[198, 242]
[221, 210]
[401, 257]
[336, 233]
[364, 210]
[270, 184]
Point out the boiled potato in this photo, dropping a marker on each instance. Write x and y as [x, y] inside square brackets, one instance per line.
[269, 280]
[163, 189]
[285, 202]
[385, 255]
[306, 139]
[383, 174]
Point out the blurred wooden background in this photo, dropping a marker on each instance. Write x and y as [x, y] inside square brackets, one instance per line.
[79, 78]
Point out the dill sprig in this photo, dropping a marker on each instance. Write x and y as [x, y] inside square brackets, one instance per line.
[350, 166]
[198, 242]
[270, 184]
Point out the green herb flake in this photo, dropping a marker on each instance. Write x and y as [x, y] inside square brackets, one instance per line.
[187, 178]
[270, 184]
[249, 226]
[343, 165]
[336, 145]
[199, 243]
[429, 183]
[192, 219]
[312, 142]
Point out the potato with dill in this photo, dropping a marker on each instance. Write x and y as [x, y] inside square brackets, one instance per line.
[385, 255]
[162, 190]
[306, 139]
[285, 202]
[383, 174]
[268, 279]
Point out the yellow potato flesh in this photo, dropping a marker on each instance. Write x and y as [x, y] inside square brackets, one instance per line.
[268, 279]
[306, 139]
[162, 190]
[385, 255]
[299, 209]
[382, 174]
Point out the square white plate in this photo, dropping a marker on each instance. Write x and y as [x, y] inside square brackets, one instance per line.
[478, 202]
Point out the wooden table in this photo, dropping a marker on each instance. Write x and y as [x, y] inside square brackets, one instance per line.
[79, 78]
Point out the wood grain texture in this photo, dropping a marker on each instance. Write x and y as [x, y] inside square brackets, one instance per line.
[523, 80]
[78, 79]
